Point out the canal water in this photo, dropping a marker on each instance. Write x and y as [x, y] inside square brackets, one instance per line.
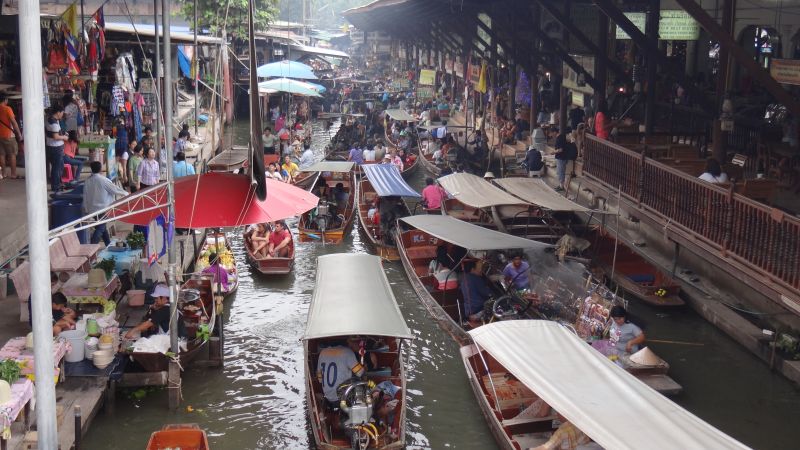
[257, 400]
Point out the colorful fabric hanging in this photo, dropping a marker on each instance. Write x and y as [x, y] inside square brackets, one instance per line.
[100, 18]
[70, 17]
[71, 48]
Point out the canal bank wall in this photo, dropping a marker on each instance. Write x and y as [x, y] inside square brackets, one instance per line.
[713, 293]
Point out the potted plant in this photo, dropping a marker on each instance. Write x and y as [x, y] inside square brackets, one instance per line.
[108, 265]
[135, 240]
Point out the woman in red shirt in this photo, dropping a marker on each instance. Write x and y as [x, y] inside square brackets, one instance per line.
[71, 155]
[602, 125]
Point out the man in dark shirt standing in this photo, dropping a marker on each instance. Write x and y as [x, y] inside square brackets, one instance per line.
[576, 116]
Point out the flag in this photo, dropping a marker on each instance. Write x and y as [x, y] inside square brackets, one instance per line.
[99, 18]
[481, 87]
[71, 47]
[71, 19]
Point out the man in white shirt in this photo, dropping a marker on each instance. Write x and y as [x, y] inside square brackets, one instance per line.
[369, 153]
[307, 158]
[336, 365]
[98, 193]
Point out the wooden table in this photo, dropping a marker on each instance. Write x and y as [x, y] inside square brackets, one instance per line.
[15, 349]
[77, 291]
[21, 395]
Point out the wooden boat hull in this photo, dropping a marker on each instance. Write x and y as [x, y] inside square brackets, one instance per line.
[632, 272]
[367, 229]
[228, 160]
[426, 161]
[308, 233]
[306, 180]
[320, 428]
[269, 266]
[186, 436]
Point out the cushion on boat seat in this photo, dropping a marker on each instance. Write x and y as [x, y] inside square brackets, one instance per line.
[642, 278]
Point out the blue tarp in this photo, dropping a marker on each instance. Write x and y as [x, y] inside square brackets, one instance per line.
[184, 62]
[386, 180]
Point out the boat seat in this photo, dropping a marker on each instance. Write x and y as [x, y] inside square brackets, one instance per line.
[642, 278]
[421, 252]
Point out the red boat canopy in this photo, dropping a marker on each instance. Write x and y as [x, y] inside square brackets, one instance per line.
[215, 200]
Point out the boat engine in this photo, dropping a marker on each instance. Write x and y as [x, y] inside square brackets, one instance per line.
[356, 402]
[323, 218]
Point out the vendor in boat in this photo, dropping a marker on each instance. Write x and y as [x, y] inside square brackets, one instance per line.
[432, 196]
[623, 334]
[340, 196]
[336, 365]
[517, 273]
[157, 318]
[475, 290]
[220, 273]
[279, 241]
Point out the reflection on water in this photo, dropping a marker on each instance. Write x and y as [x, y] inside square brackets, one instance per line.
[257, 400]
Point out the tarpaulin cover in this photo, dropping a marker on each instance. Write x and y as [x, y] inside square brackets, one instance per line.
[353, 297]
[467, 235]
[330, 166]
[287, 69]
[536, 191]
[611, 406]
[399, 114]
[474, 191]
[386, 180]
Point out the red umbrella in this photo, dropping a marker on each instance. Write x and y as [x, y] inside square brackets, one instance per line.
[215, 200]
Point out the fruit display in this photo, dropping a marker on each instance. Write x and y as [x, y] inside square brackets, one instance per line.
[224, 255]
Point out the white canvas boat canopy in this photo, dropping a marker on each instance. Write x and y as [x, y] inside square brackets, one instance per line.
[352, 297]
[399, 114]
[330, 166]
[611, 406]
[536, 191]
[318, 51]
[467, 235]
[474, 191]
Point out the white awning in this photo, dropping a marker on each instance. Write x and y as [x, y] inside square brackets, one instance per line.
[467, 235]
[474, 191]
[319, 51]
[330, 166]
[399, 114]
[536, 191]
[353, 297]
[149, 31]
[611, 406]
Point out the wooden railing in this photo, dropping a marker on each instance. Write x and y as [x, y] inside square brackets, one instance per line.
[761, 238]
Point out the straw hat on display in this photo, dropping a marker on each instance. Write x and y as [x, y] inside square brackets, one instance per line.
[97, 279]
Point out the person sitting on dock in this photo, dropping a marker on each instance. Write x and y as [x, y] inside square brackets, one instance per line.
[517, 273]
[623, 334]
[157, 318]
[475, 290]
[279, 241]
[220, 273]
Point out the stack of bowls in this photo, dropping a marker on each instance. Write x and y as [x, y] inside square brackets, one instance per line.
[102, 358]
[90, 348]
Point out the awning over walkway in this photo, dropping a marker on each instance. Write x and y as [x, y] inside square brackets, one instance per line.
[467, 235]
[387, 180]
[319, 51]
[149, 31]
[474, 191]
[536, 191]
[611, 406]
[353, 297]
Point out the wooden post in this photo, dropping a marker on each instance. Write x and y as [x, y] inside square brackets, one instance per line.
[563, 104]
[651, 30]
[720, 137]
[600, 71]
[536, 15]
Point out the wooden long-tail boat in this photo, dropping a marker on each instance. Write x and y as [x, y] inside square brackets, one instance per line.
[269, 265]
[562, 377]
[218, 243]
[330, 220]
[631, 271]
[349, 312]
[179, 436]
[229, 160]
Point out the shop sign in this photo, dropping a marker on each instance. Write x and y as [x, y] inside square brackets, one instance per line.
[427, 77]
[383, 48]
[475, 73]
[674, 25]
[424, 92]
[458, 67]
[578, 99]
[448, 65]
[786, 71]
[576, 81]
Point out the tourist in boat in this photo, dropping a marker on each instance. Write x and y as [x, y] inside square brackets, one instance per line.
[290, 167]
[270, 141]
[180, 168]
[156, 321]
[369, 152]
[279, 241]
[272, 172]
[259, 240]
[380, 151]
[356, 155]
[220, 273]
[475, 290]
[307, 158]
[713, 172]
[395, 159]
[336, 365]
[450, 256]
[517, 273]
[566, 437]
[623, 334]
[433, 195]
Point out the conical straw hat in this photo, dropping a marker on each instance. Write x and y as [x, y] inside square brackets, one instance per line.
[645, 357]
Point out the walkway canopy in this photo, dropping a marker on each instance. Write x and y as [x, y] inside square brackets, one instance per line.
[387, 181]
[611, 406]
[537, 192]
[467, 235]
[474, 191]
[353, 297]
[318, 51]
[399, 114]
[330, 166]
[288, 85]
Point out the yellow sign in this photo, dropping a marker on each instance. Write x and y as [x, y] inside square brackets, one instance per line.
[785, 71]
[427, 77]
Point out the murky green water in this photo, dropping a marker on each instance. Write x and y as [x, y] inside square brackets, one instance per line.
[257, 400]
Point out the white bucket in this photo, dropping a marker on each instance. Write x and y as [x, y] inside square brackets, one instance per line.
[76, 339]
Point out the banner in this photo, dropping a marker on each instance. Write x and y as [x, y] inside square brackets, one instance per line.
[786, 71]
[427, 77]
[424, 92]
[674, 25]
[71, 19]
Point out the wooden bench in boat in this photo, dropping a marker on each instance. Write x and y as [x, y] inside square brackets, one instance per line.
[423, 252]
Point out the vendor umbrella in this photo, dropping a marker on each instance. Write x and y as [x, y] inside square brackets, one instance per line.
[214, 200]
[288, 85]
[290, 69]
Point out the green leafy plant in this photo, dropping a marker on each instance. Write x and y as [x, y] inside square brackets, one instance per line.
[135, 240]
[213, 15]
[108, 265]
[9, 371]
